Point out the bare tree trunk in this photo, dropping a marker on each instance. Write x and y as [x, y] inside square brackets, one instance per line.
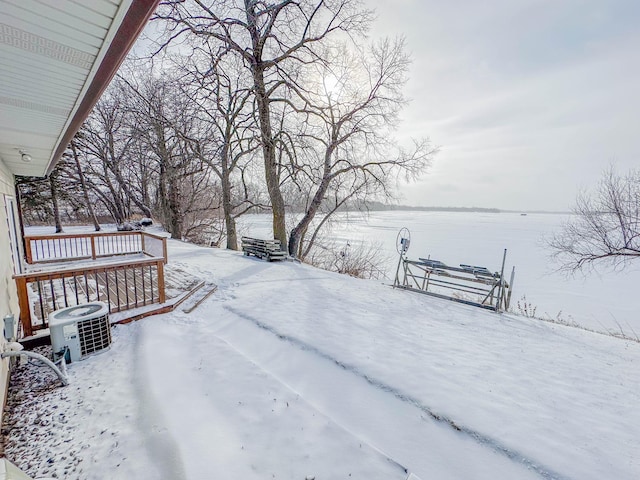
[173, 204]
[307, 249]
[227, 207]
[114, 165]
[230, 224]
[271, 174]
[168, 187]
[85, 192]
[163, 195]
[146, 211]
[113, 199]
[266, 133]
[303, 225]
[54, 201]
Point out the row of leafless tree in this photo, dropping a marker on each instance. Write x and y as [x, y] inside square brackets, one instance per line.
[245, 105]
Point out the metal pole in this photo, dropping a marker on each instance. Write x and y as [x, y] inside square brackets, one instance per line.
[396, 282]
[500, 290]
[513, 274]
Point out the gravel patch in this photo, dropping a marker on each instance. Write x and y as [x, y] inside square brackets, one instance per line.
[88, 430]
[37, 429]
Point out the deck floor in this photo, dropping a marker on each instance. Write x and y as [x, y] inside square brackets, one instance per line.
[123, 289]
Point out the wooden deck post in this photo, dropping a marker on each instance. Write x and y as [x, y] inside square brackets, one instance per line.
[93, 246]
[161, 293]
[27, 251]
[164, 249]
[23, 303]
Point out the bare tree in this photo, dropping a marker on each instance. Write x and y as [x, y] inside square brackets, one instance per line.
[35, 198]
[53, 183]
[165, 125]
[106, 140]
[350, 104]
[67, 191]
[42, 197]
[605, 227]
[273, 39]
[75, 155]
[226, 138]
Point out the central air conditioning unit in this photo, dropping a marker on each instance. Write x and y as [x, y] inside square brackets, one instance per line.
[80, 330]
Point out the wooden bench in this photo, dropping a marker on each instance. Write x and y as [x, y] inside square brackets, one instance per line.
[265, 249]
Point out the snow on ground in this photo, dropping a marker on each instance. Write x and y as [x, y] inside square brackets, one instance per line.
[291, 372]
[603, 300]
[91, 429]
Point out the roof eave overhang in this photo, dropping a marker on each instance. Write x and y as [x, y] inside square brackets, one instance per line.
[133, 21]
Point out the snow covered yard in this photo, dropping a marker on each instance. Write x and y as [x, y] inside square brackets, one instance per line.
[295, 373]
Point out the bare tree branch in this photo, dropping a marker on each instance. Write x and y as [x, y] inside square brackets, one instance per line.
[605, 228]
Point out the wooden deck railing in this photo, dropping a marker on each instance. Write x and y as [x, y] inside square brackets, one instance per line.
[122, 285]
[80, 246]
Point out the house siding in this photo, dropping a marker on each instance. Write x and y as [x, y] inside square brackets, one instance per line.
[8, 293]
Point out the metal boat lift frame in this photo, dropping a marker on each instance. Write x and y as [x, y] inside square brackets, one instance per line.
[432, 277]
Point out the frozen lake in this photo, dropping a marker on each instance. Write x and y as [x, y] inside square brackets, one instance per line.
[604, 300]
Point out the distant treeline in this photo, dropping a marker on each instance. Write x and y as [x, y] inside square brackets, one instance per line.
[378, 206]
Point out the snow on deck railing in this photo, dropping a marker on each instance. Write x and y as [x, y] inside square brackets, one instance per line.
[122, 285]
[81, 246]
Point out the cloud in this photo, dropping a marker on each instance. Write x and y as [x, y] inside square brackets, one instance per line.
[540, 93]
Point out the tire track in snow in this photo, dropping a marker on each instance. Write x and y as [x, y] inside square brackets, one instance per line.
[210, 384]
[161, 444]
[378, 451]
[477, 436]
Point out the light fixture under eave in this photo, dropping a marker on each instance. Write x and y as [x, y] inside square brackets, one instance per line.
[25, 156]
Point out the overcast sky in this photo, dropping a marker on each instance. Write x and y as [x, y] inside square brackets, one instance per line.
[530, 100]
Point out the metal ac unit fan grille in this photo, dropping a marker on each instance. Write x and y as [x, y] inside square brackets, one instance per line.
[94, 335]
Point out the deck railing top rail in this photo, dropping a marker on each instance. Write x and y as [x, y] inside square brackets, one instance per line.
[62, 272]
[92, 245]
[92, 234]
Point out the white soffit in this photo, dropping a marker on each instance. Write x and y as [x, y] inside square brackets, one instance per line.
[50, 51]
